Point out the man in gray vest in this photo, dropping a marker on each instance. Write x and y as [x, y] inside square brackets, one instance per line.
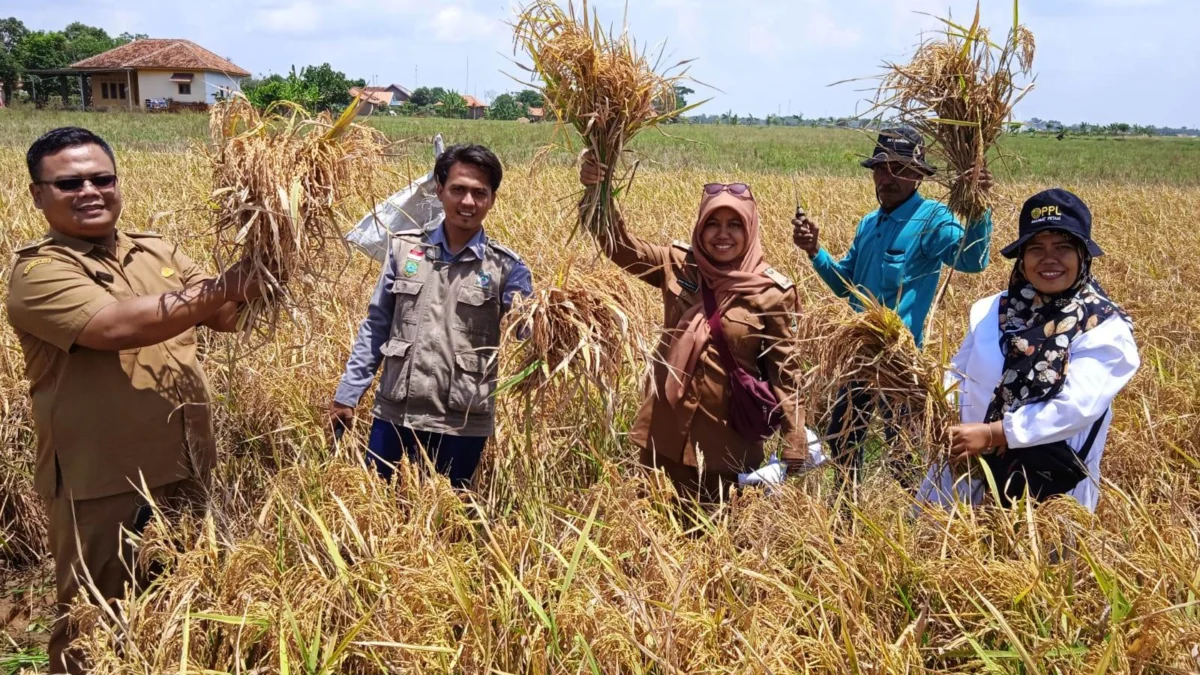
[434, 324]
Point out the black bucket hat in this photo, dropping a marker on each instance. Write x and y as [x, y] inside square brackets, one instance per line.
[903, 145]
[1054, 209]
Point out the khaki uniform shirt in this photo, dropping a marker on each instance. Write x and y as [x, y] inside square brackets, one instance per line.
[758, 329]
[107, 420]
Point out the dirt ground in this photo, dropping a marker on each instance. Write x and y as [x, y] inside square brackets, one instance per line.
[26, 612]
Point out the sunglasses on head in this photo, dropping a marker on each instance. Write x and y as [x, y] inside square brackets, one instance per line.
[735, 189]
[76, 184]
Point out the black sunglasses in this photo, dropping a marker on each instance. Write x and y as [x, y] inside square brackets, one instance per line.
[735, 189]
[76, 184]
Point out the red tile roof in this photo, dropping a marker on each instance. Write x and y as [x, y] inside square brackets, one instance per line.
[373, 95]
[473, 102]
[164, 55]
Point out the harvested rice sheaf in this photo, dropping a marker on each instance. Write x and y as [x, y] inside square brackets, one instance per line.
[600, 84]
[874, 350]
[280, 179]
[573, 332]
[959, 91]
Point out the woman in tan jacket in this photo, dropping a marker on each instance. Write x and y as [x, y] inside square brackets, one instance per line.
[683, 426]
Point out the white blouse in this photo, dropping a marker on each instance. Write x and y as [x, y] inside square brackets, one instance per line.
[1102, 361]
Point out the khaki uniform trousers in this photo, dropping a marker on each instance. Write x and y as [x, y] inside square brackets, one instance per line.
[103, 548]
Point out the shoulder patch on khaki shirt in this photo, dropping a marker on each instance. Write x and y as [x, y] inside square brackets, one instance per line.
[33, 245]
[779, 278]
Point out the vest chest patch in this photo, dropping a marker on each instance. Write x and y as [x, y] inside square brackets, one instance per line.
[484, 280]
[411, 267]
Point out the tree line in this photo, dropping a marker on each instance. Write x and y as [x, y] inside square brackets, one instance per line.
[23, 50]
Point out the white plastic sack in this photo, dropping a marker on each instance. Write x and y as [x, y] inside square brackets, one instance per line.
[414, 206]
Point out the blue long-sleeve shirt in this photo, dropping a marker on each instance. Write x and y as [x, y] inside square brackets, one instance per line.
[897, 257]
[376, 328]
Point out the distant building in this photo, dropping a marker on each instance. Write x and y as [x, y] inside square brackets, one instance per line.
[378, 99]
[154, 74]
[537, 114]
[476, 109]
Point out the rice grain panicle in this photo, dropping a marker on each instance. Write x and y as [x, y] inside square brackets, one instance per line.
[874, 350]
[959, 91]
[280, 179]
[601, 85]
[576, 332]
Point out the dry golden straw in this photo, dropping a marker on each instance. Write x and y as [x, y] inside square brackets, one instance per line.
[280, 177]
[875, 351]
[959, 91]
[572, 332]
[600, 84]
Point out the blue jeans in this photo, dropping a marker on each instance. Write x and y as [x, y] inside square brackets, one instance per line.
[455, 457]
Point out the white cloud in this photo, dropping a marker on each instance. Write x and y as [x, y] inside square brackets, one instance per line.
[456, 24]
[822, 31]
[298, 18]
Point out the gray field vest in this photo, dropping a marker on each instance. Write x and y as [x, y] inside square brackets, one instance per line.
[439, 369]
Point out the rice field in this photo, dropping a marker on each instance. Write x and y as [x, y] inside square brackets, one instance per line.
[565, 560]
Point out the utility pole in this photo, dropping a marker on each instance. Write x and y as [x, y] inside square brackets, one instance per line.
[467, 89]
[416, 76]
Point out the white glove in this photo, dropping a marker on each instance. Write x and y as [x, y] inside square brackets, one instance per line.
[816, 451]
[772, 474]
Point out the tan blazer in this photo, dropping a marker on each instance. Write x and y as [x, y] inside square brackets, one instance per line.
[758, 328]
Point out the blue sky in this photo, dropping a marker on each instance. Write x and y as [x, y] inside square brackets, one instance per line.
[1098, 61]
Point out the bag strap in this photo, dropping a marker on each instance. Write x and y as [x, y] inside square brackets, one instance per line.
[1091, 439]
[717, 330]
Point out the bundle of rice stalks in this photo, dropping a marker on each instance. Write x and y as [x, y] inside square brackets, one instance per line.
[959, 91]
[572, 333]
[22, 517]
[874, 351]
[280, 180]
[600, 84]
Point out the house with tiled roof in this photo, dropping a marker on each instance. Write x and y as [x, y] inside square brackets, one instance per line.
[158, 73]
[380, 98]
[476, 109]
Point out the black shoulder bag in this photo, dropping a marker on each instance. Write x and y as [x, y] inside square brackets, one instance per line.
[1044, 470]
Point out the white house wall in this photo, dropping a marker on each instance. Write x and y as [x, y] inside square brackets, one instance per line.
[215, 83]
[158, 84]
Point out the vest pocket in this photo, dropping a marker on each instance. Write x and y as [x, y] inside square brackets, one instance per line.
[473, 383]
[477, 313]
[407, 294]
[396, 366]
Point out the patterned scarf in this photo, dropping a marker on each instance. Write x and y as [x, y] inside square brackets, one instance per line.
[1036, 333]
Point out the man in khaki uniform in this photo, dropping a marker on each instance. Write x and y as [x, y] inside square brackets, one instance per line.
[434, 325]
[120, 404]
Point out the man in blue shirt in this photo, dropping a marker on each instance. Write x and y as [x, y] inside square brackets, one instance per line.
[896, 257]
[434, 324]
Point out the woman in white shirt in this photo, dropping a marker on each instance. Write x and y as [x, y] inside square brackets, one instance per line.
[1040, 425]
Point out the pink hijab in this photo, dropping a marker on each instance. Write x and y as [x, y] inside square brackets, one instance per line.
[743, 277]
